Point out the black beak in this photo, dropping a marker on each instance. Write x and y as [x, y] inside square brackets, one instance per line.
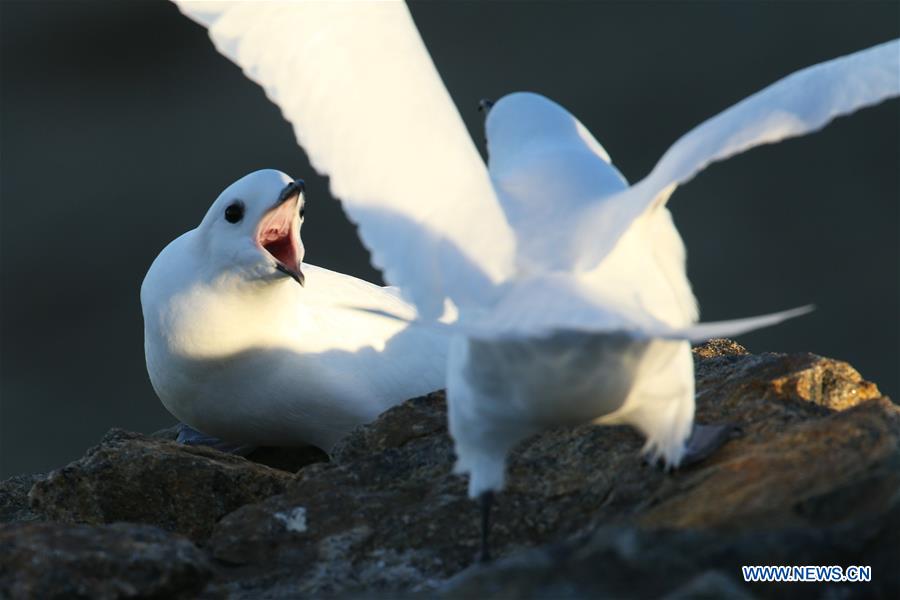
[296, 275]
[485, 105]
[292, 189]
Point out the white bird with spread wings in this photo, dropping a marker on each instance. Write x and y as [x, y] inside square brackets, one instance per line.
[573, 300]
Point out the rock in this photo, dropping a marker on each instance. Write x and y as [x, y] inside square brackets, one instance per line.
[811, 477]
[360, 523]
[141, 479]
[810, 427]
[718, 347]
[414, 419]
[44, 560]
[626, 561]
[806, 378]
[388, 516]
[820, 471]
[14, 506]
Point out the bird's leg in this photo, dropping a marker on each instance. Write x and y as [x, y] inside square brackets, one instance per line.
[704, 441]
[486, 501]
[191, 437]
[484, 107]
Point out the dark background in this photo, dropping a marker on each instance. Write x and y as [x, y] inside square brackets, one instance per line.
[119, 124]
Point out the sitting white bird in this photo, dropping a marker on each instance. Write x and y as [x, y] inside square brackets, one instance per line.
[246, 345]
[574, 305]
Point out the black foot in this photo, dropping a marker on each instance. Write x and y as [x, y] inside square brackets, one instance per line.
[704, 441]
[486, 500]
[191, 437]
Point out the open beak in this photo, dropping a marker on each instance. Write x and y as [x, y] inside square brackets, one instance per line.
[278, 233]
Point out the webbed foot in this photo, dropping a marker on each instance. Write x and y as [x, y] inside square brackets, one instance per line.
[191, 437]
[705, 440]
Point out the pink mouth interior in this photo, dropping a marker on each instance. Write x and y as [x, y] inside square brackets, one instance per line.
[276, 234]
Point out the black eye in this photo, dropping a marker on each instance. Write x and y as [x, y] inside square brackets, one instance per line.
[234, 212]
[302, 211]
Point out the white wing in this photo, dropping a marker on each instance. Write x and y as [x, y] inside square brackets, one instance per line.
[369, 108]
[559, 303]
[609, 324]
[801, 103]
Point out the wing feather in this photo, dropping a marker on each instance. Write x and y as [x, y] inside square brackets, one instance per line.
[800, 103]
[370, 109]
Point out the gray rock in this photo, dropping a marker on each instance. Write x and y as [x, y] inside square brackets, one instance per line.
[14, 505]
[814, 437]
[50, 560]
[415, 419]
[811, 477]
[140, 479]
[630, 562]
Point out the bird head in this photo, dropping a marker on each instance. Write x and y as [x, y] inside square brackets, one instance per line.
[524, 122]
[547, 171]
[254, 226]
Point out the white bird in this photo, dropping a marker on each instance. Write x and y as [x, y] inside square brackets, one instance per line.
[245, 345]
[573, 300]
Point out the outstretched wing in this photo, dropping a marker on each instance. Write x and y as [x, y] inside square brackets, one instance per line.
[801, 103]
[604, 324]
[558, 303]
[369, 108]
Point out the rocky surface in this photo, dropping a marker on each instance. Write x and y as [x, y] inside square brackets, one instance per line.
[51, 560]
[14, 505]
[811, 476]
[136, 478]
